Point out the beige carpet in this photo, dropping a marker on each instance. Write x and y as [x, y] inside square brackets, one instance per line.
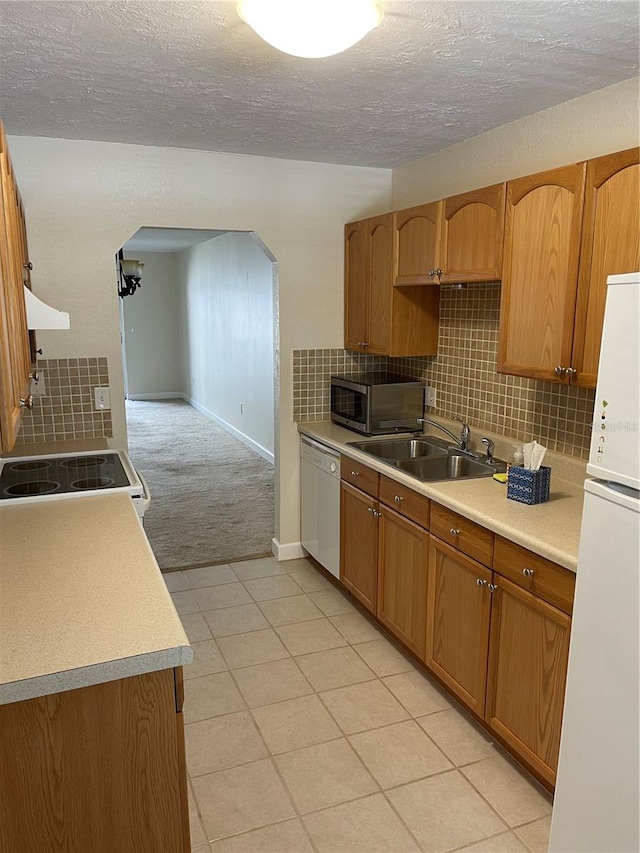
[211, 496]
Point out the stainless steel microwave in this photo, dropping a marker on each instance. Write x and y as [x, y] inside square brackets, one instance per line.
[377, 403]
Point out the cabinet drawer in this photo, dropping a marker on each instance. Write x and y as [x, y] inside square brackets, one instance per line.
[547, 580]
[467, 536]
[405, 501]
[359, 476]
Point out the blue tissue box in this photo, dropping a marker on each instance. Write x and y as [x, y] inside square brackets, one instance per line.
[528, 487]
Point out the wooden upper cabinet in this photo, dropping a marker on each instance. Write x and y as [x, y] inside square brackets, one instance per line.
[356, 297]
[418, 239]
[379, 318]
[471, 235]
[15, 353]
[380, 262]
[610, 245]
[543, 220]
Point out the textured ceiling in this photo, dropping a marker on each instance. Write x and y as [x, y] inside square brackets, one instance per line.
[193, 75]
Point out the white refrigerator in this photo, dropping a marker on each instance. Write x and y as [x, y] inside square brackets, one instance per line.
[597, 799]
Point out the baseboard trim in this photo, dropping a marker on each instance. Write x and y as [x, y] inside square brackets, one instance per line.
[257, 448]
[160, 395]
[290, 551]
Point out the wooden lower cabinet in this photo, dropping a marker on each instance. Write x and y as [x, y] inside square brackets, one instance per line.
[359, 515]
[402, 579]
[528, 655]
[459, 608]
[98, 769]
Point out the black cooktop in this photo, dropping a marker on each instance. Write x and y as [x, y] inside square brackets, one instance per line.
[51, 475]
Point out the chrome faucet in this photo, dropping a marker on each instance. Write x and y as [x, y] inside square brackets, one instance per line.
[490, 445]
[465, 435]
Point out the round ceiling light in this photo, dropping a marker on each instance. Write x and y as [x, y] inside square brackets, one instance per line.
[311, 28]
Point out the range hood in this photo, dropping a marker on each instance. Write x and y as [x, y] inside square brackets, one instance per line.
[43, 316]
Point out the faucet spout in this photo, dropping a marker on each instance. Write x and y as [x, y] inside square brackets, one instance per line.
[446, 431]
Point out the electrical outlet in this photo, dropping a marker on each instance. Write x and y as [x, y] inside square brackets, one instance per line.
[38, 388]
[102, 399]
[430, 396]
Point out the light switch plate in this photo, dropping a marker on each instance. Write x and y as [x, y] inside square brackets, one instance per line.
[102, 399]
[430, 396]
[39, 388]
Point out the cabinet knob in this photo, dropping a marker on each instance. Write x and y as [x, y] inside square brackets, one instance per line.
[398, 499]
[454, 531]
[559, 370]
[493, 587]
[355, 473]
[528, 573]
[27, 402]
[570, 372]
[365, 344]
[28, 265]
[481, 582]
[376, 513]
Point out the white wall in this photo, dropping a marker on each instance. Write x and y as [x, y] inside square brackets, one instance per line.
[226, 291]
[151, 328]
[599, 123]
[87, 198]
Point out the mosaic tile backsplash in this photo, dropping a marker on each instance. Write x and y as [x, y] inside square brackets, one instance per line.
[66, 410]
[464, 376]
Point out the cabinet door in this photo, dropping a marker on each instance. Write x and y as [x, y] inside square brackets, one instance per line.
[95, 769]
[610, 245]
[528, 656]
[359, 544]
[402, 579]
[472, 233]
[418, 240]
[356, 291]
[381, 268]
[540, 272]
[459, 607]
[15, 357]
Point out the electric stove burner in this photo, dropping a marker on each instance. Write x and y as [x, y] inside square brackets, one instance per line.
[93, 483]
[56, 476]
[31, 465]
[34, 487]
[83, 462]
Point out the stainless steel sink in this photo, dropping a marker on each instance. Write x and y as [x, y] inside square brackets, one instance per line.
[451, 467]
[428, 459]
[394, 449]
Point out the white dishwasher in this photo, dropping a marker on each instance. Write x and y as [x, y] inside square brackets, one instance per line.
[320, 497]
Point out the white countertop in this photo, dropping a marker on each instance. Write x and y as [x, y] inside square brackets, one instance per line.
[550, 529]
[82, 600]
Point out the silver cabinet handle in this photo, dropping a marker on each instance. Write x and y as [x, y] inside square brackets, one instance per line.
[528, 573]
[493, 587]
[370, 509]
[559, 370]
[570, 372]
[481, 582]
[376, 513]
[398, 499]
[355, 473]
[454, 531]
[27, 402]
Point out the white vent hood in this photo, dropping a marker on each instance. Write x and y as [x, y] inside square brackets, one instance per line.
[43, 316]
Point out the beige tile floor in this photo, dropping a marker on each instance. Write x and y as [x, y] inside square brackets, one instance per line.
[307, 730]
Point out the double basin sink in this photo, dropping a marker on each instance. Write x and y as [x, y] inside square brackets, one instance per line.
[429, 459]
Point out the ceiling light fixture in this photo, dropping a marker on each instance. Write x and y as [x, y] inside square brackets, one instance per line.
[311, 28]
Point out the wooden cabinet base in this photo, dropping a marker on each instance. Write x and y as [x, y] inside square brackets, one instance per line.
[95, 770]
